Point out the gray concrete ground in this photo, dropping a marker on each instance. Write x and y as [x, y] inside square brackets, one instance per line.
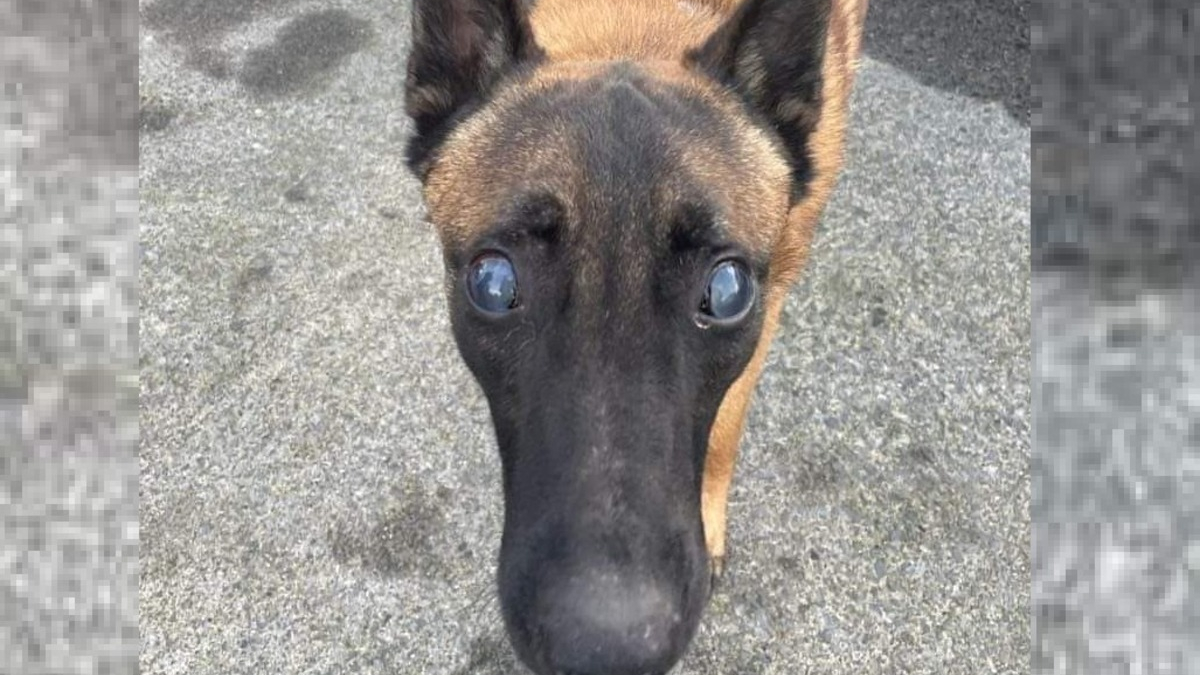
[1116, 541]
[68, 339]
[318, 479]
[1116, 537]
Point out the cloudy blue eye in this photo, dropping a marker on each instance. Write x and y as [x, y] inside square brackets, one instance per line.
[729, 294]
[492, 283]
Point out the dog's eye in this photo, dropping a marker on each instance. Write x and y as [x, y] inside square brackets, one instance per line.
[492, 283]
[729, 294]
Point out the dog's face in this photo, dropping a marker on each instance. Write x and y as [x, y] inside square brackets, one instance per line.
[605, 299]
[608, 231]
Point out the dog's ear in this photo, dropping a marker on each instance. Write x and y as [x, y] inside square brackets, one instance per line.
[771, 53]
[461, 49]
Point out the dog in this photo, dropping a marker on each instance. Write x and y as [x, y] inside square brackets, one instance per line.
[624, 191]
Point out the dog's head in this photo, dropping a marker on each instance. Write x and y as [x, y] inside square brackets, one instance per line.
[610, 229]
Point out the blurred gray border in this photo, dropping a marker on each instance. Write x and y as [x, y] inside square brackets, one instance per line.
[1114, 156]
[68, 337]
[1115, 317]
[1116, 325]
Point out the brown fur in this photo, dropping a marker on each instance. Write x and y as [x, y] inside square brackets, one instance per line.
[463, 200]
[843, 46]
[578, 36]
[575, 30]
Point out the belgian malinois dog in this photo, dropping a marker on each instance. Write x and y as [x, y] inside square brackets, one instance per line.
[624, 190]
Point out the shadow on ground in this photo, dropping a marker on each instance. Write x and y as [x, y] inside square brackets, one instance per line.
[979, 48]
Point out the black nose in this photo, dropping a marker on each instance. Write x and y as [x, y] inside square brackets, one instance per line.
[610, 624]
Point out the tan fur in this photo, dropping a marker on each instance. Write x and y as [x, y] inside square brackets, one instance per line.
[843, 45]
[462, 200]
[752, 185]
[582, 30]
[579, 36]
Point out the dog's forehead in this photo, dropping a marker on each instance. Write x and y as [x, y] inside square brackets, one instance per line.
[620, 142]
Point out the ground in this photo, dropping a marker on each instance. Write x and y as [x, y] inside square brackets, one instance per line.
[318, 479]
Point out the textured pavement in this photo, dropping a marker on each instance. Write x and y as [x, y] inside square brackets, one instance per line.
[68, 339]
[319, 486]
[1116, 540]
[1116, 312]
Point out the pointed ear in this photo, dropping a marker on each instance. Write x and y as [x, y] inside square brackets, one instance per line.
[771, 52]
[461, 49]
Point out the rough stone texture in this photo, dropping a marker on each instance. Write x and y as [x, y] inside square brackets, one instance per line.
[1115, 139]
[319, 486]
[68, 338]
[1116, 544]
[1116, 540]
